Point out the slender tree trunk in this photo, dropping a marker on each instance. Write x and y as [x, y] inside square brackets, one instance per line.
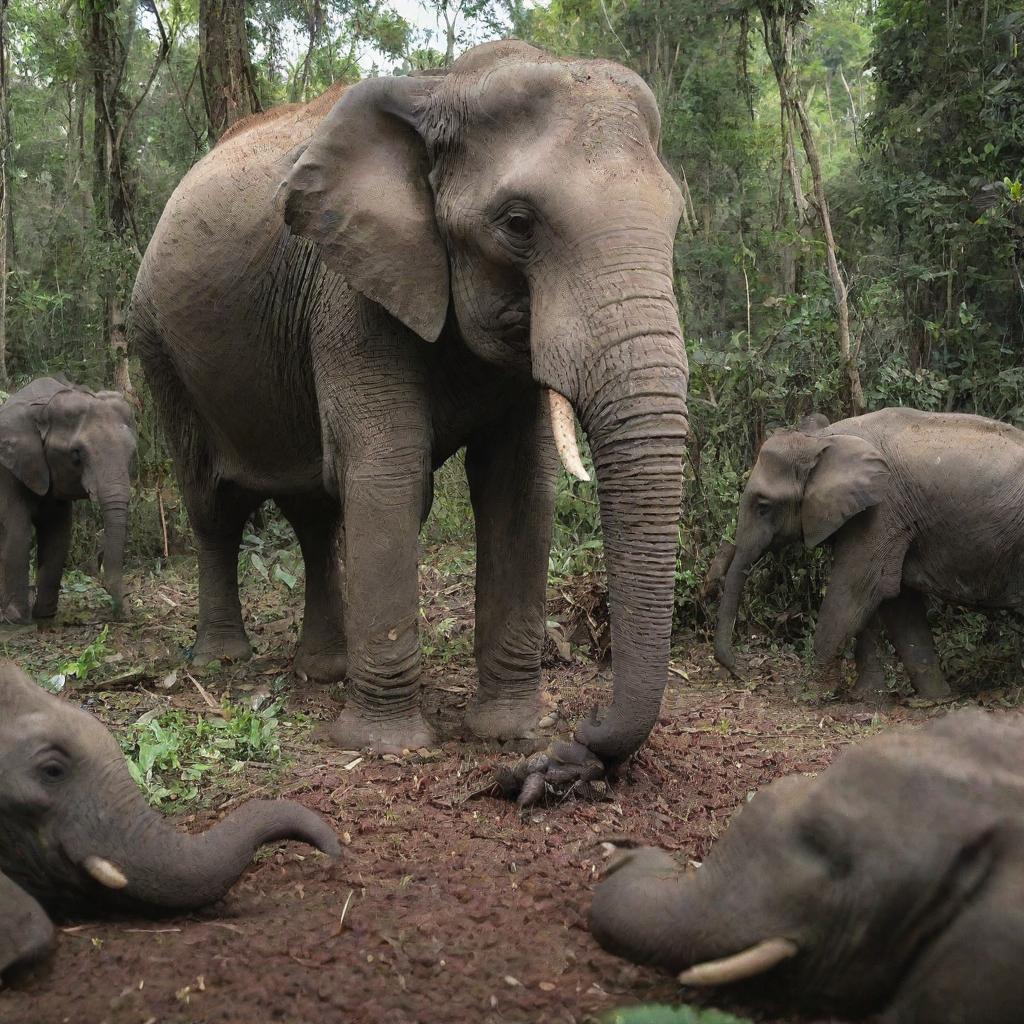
[112, 198]
[226, 73]
[779, 31]
[5, 199]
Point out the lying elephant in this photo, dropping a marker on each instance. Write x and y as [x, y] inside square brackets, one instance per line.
[342, 295]
[916, 503]
[76, 834]
[59, 443]
[892, 884]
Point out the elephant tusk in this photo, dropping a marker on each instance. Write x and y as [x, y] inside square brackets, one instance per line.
[563, 424]
[105, 873]
[750, 962]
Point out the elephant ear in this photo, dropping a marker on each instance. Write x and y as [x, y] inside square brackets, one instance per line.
[21, 445]
[812, 423]
[849, 476]
[361, 190]
[26, 933]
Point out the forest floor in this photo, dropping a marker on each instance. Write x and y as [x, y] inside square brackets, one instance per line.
[446, 905]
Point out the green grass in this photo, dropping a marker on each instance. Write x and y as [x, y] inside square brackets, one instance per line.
[176, 755]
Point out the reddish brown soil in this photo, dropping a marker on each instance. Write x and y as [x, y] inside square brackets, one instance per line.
[442, 908]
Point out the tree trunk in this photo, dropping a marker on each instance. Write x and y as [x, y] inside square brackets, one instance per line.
[112, 192]
[779, 31]
[5, 203]
[227, 78]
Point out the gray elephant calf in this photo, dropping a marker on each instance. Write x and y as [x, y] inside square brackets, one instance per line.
[892, 885]
[76, 834]
[915, 503]
[59, 443]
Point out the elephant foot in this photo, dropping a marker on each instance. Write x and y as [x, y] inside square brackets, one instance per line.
[354, 731]
[211, 647]
[323, 666]
[504, 718]
[932, 688]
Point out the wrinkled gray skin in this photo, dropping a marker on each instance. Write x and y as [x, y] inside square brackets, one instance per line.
[66, 796]
[337, 299]
[898, 874]
[60, 443]
[915, 503]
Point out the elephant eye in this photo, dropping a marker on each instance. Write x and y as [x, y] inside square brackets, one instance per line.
[53, 771]
[516, 225]
[764, 506]
[76, 455]
[519, 224]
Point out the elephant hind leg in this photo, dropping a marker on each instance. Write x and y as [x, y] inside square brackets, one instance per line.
[218, 514]
[217, 510]
[322, 652]
[906, 622]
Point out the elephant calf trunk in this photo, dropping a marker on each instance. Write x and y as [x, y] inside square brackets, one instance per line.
[169, 870]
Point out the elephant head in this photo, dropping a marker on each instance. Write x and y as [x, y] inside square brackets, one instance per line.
[76, 833]
[805, 485]
[69, 442]
[891, 884]
[520, 200]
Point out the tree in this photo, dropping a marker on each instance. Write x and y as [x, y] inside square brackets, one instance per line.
[5, 212]
[226, 74]
[780, 20]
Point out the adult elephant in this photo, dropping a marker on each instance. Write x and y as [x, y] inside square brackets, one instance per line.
[60, 443]
[892, 885]
[915, 503]
[77, 836]
[343, 294]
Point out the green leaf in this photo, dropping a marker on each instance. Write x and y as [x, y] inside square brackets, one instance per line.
[659, 1014]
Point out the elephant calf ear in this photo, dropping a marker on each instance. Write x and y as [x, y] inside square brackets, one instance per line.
[361, 190]
[849, 476]
[26, 933]
[21, 446]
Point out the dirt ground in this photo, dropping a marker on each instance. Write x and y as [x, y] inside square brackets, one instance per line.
[444, 906]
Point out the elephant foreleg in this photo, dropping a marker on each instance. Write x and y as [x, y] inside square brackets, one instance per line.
[53, 540]
[512, 472]
[15, 551]
[322, 651]
[866, 570]
[384, 501]
[867, 656]
[906, 622]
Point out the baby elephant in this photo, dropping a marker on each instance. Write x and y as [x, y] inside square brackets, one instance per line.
[891, 885]
[77, 835]
[915, 503]
[58, 443]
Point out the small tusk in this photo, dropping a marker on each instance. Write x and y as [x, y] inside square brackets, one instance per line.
[105, 873]
[563, 424]
[750, 962]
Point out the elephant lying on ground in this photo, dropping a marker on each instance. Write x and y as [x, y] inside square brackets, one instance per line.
[77, 835]
[891, 885]
[916, 503]
[339, 297]
[59, 443]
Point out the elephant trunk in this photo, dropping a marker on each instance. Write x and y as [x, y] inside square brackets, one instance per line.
[735, 579]
[113, 500]
[650, 911]
[638, 909]
[632, 405]
[152, 866]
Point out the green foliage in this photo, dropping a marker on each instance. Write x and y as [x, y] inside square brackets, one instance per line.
[657, 1014]
[79, 668]
[173, 754]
